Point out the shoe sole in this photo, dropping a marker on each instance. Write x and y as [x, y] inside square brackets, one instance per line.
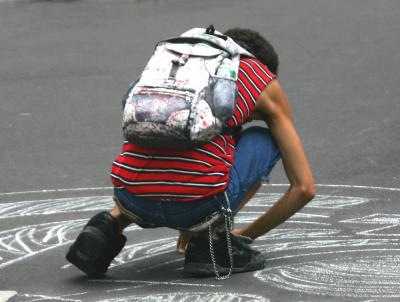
[86, 250]
[202, 269]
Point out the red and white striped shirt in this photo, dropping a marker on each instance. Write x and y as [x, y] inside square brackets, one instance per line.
[190, 174]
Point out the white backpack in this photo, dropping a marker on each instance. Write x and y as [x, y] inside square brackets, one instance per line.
[186, 93]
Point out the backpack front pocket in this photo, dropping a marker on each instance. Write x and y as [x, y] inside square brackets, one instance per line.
[157, 115]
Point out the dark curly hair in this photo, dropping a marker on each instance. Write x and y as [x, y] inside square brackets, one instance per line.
[257, 45]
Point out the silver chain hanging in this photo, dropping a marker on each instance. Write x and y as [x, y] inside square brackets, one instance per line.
[228, 227]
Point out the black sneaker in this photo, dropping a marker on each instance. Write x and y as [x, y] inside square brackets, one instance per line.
[96, 245]
[198, 259]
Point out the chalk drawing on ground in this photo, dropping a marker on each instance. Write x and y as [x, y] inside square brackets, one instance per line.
[337, 239]
[74, 297]
[145, 250]
[382, 225]
[30, 240]
[193, 297]
[357, 257]
[157, 297]
[365, 276]
[320, 201]
[54, 206]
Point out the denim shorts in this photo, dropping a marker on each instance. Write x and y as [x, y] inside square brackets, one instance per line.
[255, 155]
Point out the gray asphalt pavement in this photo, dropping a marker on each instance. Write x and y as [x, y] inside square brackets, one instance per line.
[64, 66]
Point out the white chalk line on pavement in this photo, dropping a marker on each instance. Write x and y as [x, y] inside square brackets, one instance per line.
[267, 185]
[5, 295]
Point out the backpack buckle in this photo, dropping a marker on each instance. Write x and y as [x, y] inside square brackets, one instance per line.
[211, 31]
